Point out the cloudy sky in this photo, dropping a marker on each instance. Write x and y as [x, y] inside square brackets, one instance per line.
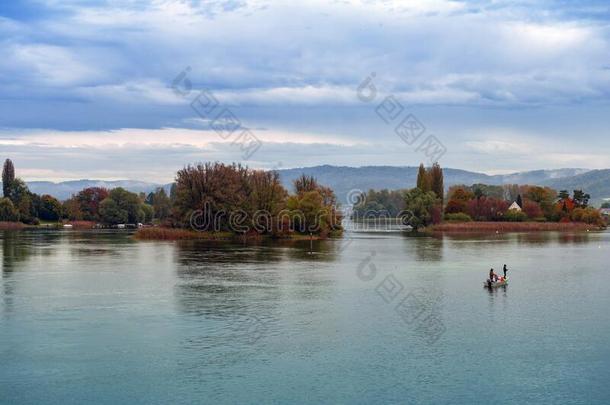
[105, 89]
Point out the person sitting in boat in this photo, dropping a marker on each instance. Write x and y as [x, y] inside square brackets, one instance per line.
[505, 269]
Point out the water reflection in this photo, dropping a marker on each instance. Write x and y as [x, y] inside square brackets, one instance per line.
[524, 238]
[427, 249]
[498, 290]
[12, 251]
[574, 238]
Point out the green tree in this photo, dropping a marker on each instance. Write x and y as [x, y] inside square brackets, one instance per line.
[148, 213]
[563, 195]
[478, 193]
[8, 212]
[420, 204]
[111, 213]
[128, 202]
[581, 199]
[50, 208]
[606, 204]
[161, 203]
[22, 199]
[383, 203]
[8, 177]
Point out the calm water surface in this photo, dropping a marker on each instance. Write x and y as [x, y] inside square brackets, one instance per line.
[376, 318]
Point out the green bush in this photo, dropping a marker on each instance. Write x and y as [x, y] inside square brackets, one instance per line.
[458, 217]
[515, 216]
[8, 212]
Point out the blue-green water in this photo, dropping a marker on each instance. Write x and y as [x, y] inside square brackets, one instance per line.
[377, 318]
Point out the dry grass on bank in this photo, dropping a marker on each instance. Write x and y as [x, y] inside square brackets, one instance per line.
[11, 225]
[512, 227]
[161, 233]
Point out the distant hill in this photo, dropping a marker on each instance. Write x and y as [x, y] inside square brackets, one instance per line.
[594, 182]
[343, 179]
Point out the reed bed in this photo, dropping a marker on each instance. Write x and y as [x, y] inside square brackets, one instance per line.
[11, 225]
[512, 227]
[162, 233]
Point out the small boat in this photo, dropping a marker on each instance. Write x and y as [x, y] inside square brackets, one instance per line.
[495, 284]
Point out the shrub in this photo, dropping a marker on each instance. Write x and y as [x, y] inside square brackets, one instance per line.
[515, 216]
[8, 212]
[458, 217]
[587, 215]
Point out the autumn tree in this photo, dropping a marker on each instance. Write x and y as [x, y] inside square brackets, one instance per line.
[458, 199]
[312, 208]
[436, 180]
[532, 209]
[544, 196]
[423, 180]
[71, 209]
[89, 200]
[487, 208]
[214, 189]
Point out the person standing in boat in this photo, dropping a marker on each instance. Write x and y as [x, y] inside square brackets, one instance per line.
[492, 275]
[505, 269]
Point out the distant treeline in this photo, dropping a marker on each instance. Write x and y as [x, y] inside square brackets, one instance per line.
[207, 197]
[425, 204]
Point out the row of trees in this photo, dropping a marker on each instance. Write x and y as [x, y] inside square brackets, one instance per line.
[213, 196]
[18, 203]
[480, 202]
[95, 204]
[536, 203]
[388, 203]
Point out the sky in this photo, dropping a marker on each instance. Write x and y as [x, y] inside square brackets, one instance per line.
[138, 89]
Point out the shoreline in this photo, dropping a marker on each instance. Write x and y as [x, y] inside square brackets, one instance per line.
[160, 233]
[497, 227]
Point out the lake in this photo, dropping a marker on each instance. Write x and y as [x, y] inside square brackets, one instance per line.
[378, 317]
